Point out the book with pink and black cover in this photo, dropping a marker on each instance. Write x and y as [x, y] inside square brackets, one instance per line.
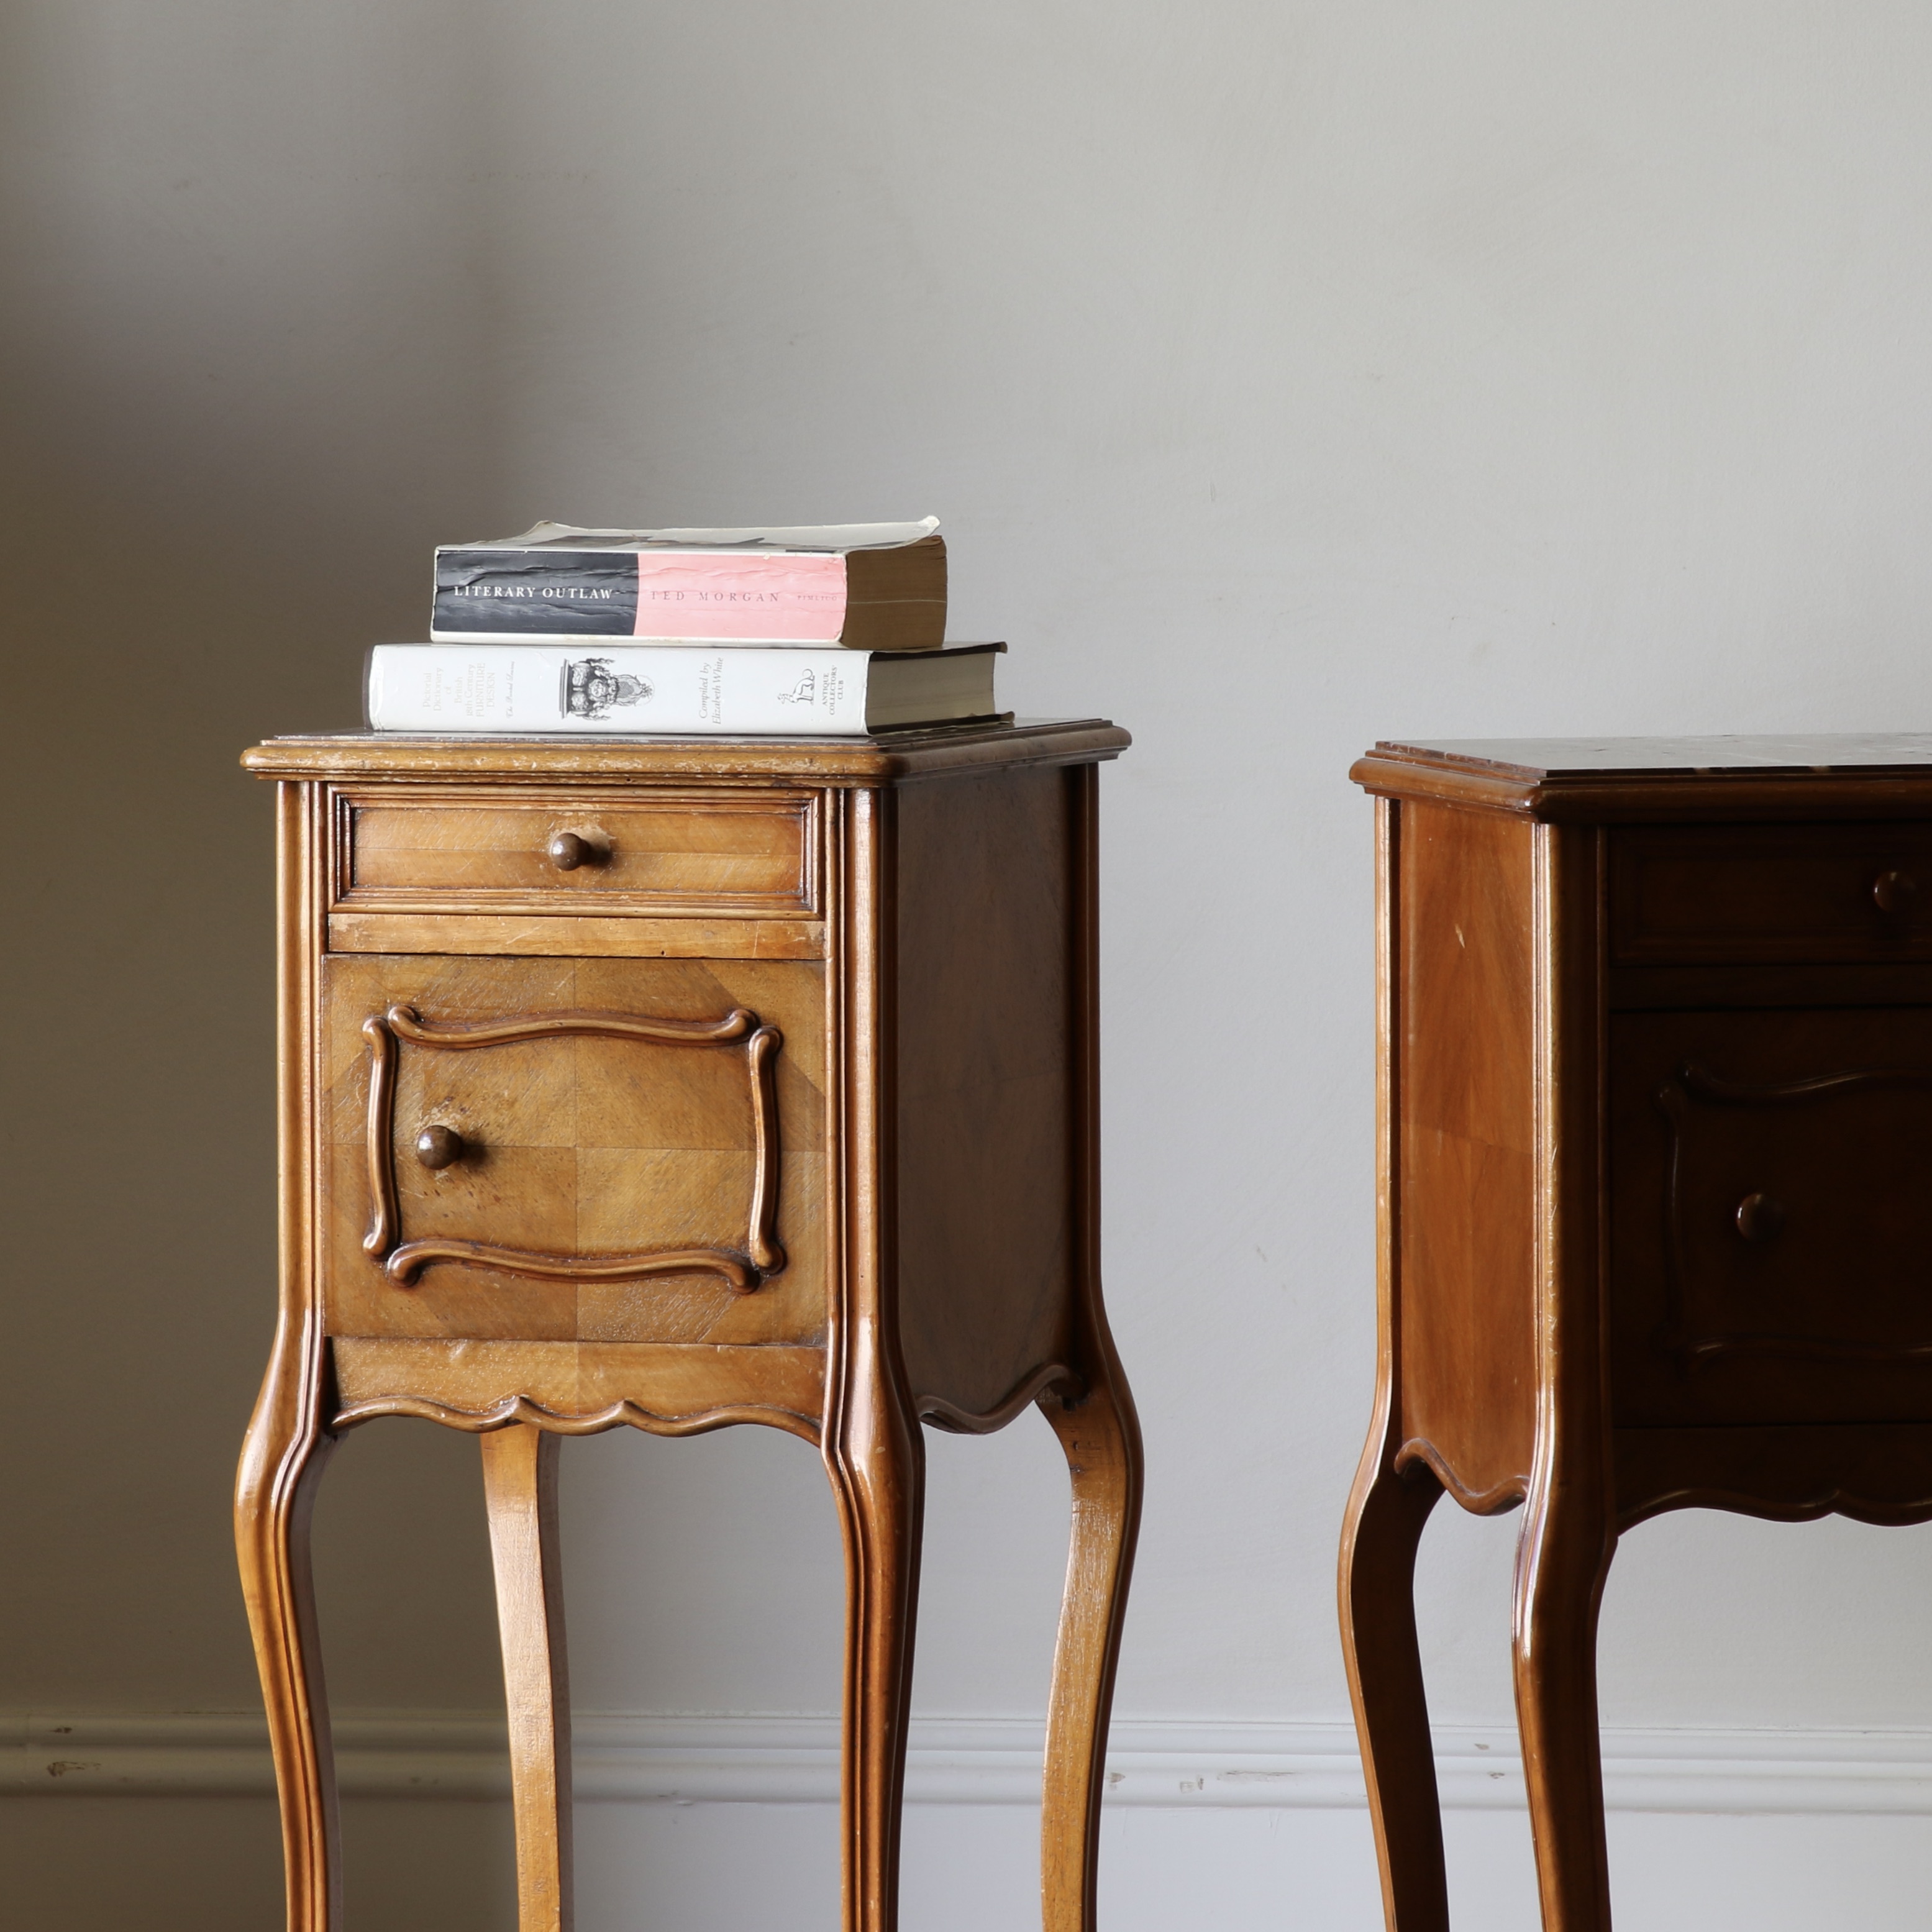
[867, 587]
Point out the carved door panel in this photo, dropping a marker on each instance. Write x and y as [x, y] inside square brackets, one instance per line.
[1771, 1182]
[574, 1149]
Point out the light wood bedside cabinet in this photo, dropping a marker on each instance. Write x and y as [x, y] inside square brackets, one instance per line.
[1655, 1085]
[679, 1083]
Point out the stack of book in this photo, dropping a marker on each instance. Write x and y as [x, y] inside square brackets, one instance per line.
[834, 629]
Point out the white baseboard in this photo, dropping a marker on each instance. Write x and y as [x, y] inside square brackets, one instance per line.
[794, 1760]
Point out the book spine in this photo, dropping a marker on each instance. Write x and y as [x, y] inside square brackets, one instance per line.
[673, 689]
[705, 596]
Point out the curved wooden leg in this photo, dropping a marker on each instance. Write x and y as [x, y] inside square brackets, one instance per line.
[1387, 1512]
[282, 1460]
[520, 1472]
[877, 1462]
[1100, 1435]
[1563, 1556]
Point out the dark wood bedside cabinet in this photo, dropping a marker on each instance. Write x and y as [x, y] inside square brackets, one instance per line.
[1655, 1106]
[673, 1084]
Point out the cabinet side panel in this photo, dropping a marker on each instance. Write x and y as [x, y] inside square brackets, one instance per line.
[1465, 913]
[984, 1055]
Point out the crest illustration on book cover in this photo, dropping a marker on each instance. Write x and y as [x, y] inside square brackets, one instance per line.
[802, 692]
[591, 686]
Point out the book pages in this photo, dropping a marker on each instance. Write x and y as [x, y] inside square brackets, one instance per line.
[773, 537]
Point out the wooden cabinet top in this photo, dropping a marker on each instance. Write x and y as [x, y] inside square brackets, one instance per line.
[887, 758]
[1603, 780]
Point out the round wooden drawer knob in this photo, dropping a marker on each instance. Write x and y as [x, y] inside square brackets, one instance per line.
[1894, 891]
[1760, 1218]
[570, 850]
[439, 1146]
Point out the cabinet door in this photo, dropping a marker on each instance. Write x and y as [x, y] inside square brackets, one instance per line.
[1770, 1183]
[588, 1150]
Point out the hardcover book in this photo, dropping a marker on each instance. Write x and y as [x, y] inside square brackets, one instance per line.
[866, 587]
[674, 689]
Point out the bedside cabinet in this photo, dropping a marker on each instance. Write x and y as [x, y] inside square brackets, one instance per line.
[672, 1085]
[1655, 1105]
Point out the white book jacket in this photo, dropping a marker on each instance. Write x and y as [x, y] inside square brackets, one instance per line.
[689, 689]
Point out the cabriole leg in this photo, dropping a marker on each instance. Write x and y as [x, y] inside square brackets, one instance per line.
[520, 1474]
[1387, 1512]
[1100, 1436]
[1563, 1556]
[877, 1462]
[283, 1457]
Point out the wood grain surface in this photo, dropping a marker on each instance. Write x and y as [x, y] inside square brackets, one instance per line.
[664, 1388]
[581, 936]
[1467, 1150]
[1686, 895]
[582, 1144]
[615, 1141]
[1655, 1063]
[1569, 1528]
[873, 1453]
[984, 1120]
[1828, 1114]
[754, 853]
[1094, 1415]
[289, 1441]
[1872, 1472]
[1390, 1503]
[889, 759]
[520, 1477]
[1596, 790]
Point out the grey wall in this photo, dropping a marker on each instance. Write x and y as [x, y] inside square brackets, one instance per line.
[1287, 376]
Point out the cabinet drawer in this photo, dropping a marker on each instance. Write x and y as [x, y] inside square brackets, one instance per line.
[1771, 1179]
[1825, 893]
[618, 1150]
[754, 854]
